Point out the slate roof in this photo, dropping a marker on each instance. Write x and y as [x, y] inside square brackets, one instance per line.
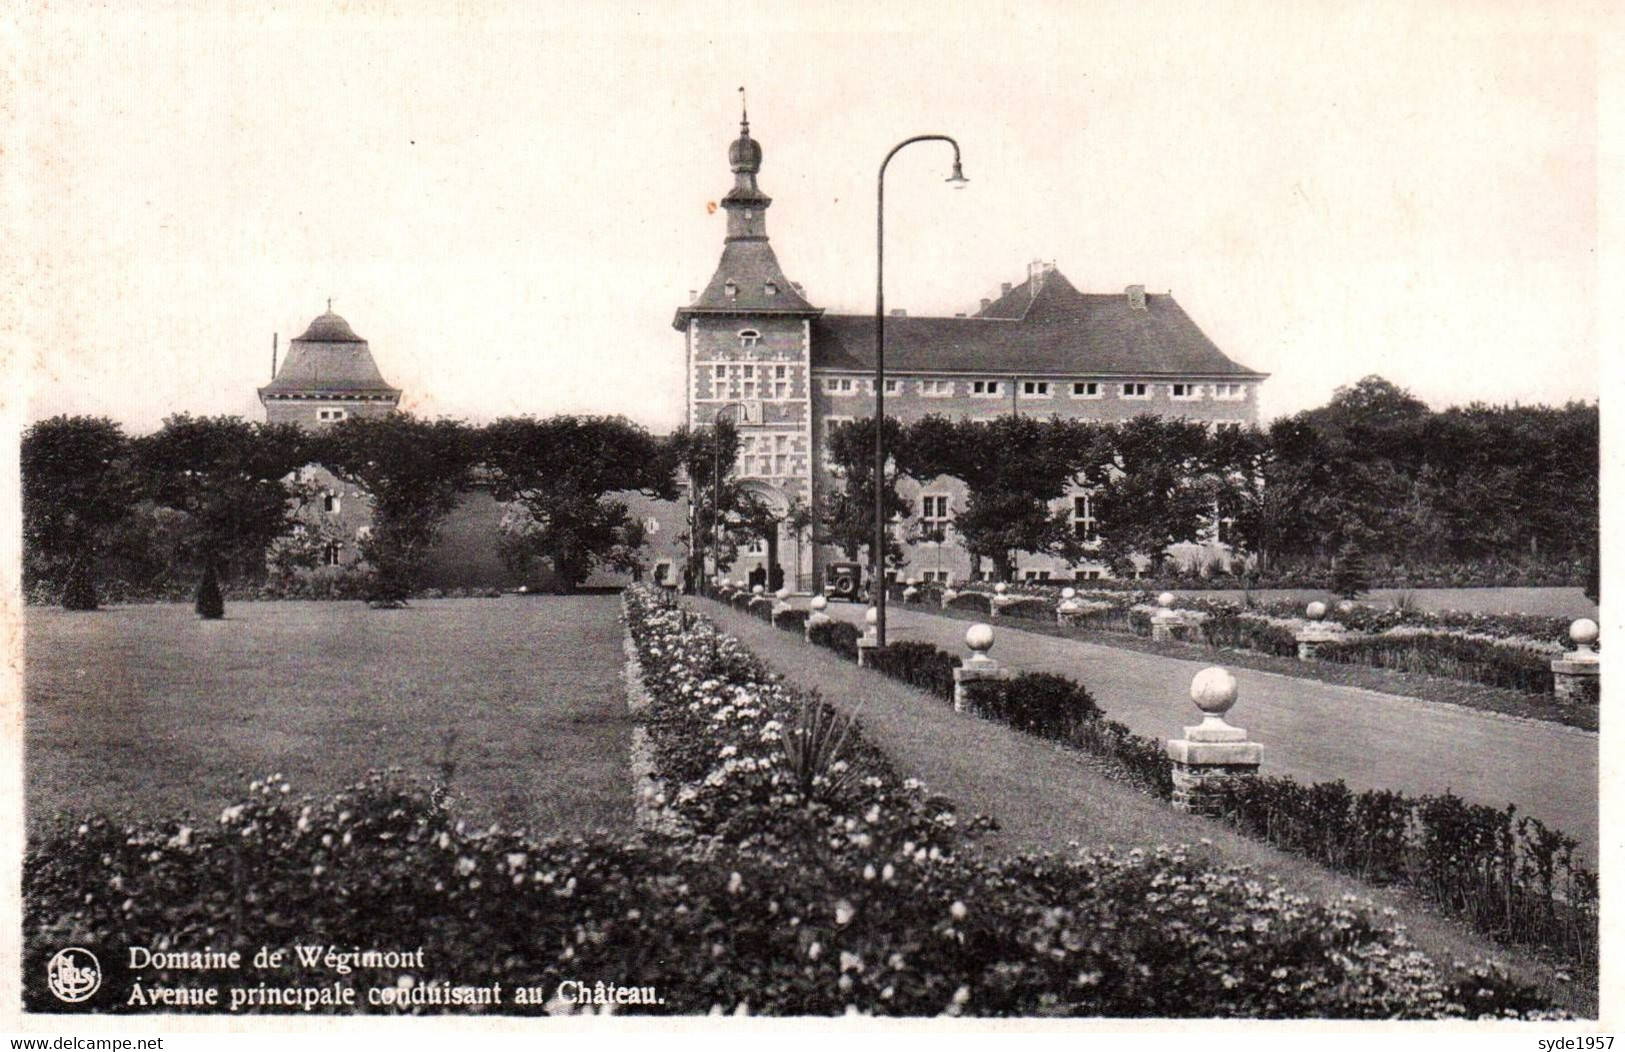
[750, 264]
[1058, 331]
[329, 358]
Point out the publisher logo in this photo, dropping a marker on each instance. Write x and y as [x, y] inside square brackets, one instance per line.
[73, 974]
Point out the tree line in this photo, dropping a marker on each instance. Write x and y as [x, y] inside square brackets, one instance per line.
[1374, 473]
[1374, 470]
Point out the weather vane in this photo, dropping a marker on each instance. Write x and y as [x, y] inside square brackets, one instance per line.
[744, 114]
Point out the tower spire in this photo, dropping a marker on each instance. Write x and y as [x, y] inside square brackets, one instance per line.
[744, 114]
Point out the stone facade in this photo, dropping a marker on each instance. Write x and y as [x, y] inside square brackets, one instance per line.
[759, 352]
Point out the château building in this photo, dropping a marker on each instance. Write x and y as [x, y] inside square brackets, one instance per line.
[760, 354]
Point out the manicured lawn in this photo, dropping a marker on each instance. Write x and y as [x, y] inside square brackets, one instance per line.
[148, 710]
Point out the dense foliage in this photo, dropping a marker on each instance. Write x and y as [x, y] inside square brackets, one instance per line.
[76, 487]
[560, 473]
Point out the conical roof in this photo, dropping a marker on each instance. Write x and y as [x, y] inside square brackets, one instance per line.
[330, 328]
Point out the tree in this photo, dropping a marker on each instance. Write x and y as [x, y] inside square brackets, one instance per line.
[414, 473]
[228, 477]
[1153, 487]
[561, 471]
[76, 487]
[847, 517]
[1014, 469]
[707, 455]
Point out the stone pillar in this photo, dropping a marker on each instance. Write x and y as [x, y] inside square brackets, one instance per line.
[980, 667]
[1167, 625]
[998, 599]
[870, 640]
[1577, 675]
[1213, 752]
[911, 591]
[816, 617]
[1067, 610]
[781, 605]
[1316, 632]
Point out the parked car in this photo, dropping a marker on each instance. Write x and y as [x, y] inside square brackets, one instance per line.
[844, 581]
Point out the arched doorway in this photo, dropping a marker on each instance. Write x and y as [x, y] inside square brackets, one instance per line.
[762, 563]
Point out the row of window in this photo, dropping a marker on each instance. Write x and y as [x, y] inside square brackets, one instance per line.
[846, 385]
[749, 380]
[936, 516]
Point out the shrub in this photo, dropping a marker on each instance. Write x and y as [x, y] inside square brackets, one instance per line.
[793, 620]
[920, 665]
[1231, 628]
[210, 605]
[1512, 878]
[1039, 703]
[977, 601]
[761, 607]
[79, 593]
[1350, 577]
[1447, 654]
[1031, 608]
[838, 636]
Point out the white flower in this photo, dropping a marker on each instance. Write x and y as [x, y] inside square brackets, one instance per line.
[736, 883]
[958, 910]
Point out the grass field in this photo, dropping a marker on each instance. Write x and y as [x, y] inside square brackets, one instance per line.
[147, 710]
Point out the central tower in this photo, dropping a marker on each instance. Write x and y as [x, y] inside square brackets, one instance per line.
[748, 339]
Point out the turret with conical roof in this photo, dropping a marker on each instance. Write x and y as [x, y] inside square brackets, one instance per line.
[329, 374]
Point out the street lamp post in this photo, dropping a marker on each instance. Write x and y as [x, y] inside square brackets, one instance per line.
[716, 484]
[877, 559]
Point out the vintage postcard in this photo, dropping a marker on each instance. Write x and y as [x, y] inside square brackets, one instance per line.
[1081, 516]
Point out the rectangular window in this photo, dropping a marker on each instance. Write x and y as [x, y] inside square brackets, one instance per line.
[838, 385]
[330, 503]
[937, 388]
[1185, 392]
[937, 576]
[1083, 518]
[331, 414]
[1086, 389]
[1135, 391]
[1035, 575]
[984, 388]
[1230, 392]
[1035, 388]
[934, 515]
[894, 387]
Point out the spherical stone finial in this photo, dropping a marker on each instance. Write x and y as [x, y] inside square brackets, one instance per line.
[783, 593]
[1166, 600]
[1069, 593]
[1583, 632]
[1000, 588]
[871, 616]
[979, 638]
[1346, 606]
[756, 589]
[818, 602]
[1315, 610]
[1214, 691]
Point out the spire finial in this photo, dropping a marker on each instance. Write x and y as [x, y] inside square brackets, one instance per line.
[744, 114]
[330, 304]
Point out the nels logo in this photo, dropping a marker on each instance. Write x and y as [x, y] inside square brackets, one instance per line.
[74, 975]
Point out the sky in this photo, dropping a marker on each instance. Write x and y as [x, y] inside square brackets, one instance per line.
[510, 203]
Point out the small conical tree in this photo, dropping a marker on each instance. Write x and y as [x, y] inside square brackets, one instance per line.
[211, 605]
[79, 592]
[1350, 577]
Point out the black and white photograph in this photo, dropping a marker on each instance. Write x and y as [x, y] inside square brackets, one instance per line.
[1084, 515]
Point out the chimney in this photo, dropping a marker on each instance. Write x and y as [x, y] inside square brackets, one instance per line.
[1004, 288]
[899, 312]
[1136, 297]
[693, 294]
[273, 356]
[986, 303]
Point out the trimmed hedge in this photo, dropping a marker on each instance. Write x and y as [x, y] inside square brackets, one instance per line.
[919, 665]
[1039, 703]
[977, 601]
[838, 636]
[793, 620]
[1455, 657]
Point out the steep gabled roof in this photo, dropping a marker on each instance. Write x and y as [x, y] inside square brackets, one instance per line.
[1044, 326]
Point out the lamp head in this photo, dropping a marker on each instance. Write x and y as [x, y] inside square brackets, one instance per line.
[957, 180]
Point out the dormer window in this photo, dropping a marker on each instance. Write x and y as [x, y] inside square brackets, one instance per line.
[771, 288]
[749, 338]
[730, 289]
